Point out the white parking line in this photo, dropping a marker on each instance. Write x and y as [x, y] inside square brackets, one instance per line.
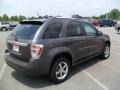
[95, 80]
[2, 71]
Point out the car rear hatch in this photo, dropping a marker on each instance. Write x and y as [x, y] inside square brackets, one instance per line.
[19, 41]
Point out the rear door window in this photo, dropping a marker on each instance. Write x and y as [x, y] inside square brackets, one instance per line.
[74, 29]
[25, 31]
[53, 30]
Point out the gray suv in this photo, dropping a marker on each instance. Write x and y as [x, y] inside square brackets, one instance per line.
[54, 46]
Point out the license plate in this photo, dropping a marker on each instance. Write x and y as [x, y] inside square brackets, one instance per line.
[15, 47]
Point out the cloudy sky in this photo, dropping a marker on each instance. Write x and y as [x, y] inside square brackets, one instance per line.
[57, 7]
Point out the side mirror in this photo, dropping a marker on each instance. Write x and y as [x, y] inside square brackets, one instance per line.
[99, 33]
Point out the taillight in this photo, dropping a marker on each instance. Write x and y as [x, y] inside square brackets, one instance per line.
[36, 50]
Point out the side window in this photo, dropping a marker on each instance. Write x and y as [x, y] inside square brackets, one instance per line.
[74, 29]
[90, 30]
[53, 30]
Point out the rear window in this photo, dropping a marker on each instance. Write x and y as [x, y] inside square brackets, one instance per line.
[25, 31]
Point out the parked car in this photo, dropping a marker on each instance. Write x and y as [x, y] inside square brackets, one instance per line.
[12, 26]
[117, 27]
[4, 26]
[95, 22]
[53, 47]
[109, 23]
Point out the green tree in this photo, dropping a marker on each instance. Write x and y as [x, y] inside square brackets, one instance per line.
[95, 17]
[103, 16]
[119, 18]
[21, 18]
[114, 14]
[5, 17]
[1, 18]
[16, 18]
[12, 18]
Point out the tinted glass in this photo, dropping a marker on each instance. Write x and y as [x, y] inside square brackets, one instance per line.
[74, 29]
[90, 30]
[107, 21]
[53, 30]
[110, 21]
[25, 31]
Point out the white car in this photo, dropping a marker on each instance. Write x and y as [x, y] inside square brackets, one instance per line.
[4, 26]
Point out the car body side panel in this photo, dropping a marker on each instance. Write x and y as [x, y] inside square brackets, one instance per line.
[95, 44]
[77, 45]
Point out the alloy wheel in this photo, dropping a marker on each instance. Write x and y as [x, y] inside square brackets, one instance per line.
[62, 70]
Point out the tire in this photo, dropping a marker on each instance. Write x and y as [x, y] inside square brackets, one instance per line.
[56, 74]
[118, 30]
[106, 52]
[4, 29]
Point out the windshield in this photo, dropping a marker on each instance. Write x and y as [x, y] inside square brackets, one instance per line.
[25, 31]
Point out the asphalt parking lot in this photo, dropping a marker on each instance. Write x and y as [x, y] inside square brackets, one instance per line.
[95, 74]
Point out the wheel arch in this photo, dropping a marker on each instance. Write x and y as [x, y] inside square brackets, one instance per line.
[61, 54]
[118, 28]
[108, 42]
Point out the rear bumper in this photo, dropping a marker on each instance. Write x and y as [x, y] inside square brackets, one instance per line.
[33, 67]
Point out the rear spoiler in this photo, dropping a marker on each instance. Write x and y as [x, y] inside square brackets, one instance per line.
[32, 22]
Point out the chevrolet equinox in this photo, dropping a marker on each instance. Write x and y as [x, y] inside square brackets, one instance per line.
[52, 47]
